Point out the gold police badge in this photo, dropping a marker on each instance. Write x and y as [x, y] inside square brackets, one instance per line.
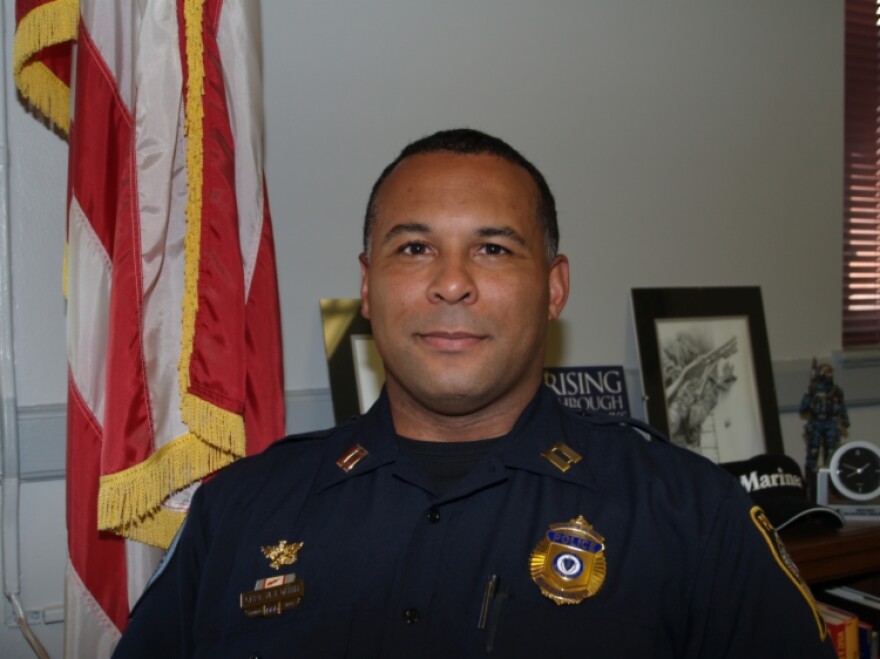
[568, 564]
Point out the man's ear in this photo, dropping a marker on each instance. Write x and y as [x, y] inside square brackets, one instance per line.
[365, 286]
[558, 285]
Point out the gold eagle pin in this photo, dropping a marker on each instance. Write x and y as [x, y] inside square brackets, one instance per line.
[568, 564]
[283, 553]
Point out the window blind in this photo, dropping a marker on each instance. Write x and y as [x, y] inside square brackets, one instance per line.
[861, 225]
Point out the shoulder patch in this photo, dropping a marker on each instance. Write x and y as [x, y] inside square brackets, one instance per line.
[774, 542]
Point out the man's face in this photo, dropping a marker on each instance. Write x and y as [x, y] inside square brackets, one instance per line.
[457, 285]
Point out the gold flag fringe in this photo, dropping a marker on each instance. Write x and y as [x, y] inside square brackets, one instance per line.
[193, 127]
[159, 531]
[222, 429]
[130, 501]
[44, 26]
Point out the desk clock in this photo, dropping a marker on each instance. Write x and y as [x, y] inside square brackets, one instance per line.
[851, 483]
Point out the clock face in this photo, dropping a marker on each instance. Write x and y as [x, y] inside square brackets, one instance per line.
[855, 470]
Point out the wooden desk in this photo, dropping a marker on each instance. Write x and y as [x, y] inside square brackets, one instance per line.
[825, 555]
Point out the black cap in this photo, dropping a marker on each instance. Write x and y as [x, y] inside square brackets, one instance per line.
[775, 483]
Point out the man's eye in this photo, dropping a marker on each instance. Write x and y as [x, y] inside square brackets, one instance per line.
[494, 250]
[414, 249]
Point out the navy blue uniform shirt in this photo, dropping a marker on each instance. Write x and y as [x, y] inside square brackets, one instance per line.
[388, 568]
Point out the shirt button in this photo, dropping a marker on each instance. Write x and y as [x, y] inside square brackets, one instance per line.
[411, 616]
[434, 515]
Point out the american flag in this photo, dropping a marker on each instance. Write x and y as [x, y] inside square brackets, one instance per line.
[173, 322]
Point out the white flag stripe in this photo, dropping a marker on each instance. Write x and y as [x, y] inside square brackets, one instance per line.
[162, 191]
[88, 632]
[88, 276]
[238, 38]
[142, 561]
[112, 26]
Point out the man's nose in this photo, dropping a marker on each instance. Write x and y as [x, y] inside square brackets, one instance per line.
[453, 281]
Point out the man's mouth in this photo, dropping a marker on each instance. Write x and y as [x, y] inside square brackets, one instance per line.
[450, 340]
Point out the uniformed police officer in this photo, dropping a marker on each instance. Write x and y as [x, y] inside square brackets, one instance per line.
[467, 513]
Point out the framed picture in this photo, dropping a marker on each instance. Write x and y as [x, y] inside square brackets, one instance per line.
[355, 368]
[706, 369]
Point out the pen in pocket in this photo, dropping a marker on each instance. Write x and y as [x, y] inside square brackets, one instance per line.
[490, 611]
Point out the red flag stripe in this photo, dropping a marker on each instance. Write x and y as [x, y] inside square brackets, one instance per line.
[220, 278]
[98, 557]
[101, 142]
[265, 373]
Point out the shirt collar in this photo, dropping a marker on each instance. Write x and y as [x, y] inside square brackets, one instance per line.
[540, 426]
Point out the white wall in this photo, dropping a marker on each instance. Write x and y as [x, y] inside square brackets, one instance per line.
[687, 143]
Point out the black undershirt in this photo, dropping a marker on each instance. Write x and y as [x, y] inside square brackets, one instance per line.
[446, 463]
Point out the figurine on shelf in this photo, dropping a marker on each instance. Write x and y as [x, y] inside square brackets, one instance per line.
[826, 415]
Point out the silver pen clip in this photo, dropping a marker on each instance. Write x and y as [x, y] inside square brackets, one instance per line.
[488, 596]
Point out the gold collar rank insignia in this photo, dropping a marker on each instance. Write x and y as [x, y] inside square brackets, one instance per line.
[568, 564]
[562, 456]
[284, 553]
[351, 457]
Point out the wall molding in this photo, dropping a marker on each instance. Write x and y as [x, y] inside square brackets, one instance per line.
[42, 428]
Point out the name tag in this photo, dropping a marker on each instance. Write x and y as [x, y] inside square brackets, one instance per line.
[274, 600]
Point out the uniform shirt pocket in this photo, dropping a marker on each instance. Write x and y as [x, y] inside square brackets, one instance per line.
[293, 634]
[529, 630]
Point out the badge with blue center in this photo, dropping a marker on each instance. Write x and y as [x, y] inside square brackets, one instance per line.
[568, 564]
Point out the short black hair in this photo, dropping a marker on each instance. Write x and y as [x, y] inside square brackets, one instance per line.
[468, 141]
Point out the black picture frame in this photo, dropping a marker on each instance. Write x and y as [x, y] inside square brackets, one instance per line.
[355, 379]
[706, 369]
